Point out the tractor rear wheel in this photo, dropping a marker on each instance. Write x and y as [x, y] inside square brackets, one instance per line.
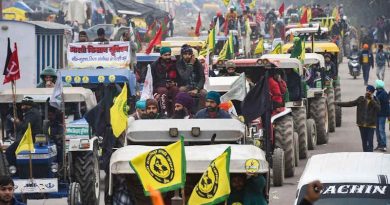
[299, 116]
[74, 196]
[284, 138]
[337, 96]
[331, 110]
[319, 112]
[87, 174]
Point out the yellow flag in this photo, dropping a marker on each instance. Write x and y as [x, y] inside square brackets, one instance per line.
[118, 113]
[214, 186]
[226, 2]
[224, 51]
[26, 144]
[162, 169]
[211, 40]
[303, 51]
[252, 4]
[277, 49]
[260, 47]
[308, 14]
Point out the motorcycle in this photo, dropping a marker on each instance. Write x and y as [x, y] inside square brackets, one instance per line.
[354, 66]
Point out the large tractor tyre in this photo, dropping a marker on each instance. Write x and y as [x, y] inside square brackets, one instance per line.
[87, 174]
[311, 134]
[3, 164]
[278, 167]
[337, 96]
[74, 196]
[299, 116]
[296, 149]
[331, 110]
[319, 112]
[284, 138]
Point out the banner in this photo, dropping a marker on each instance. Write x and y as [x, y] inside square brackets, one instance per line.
[91, 55]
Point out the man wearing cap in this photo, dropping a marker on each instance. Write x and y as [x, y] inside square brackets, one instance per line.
[83, 37]
[230, 69]
[164, 75]
[366, 61]
[212, 110]
[48, 78]
[383, 114]
[330, 67]
[31, 116]
[183, 106]
[366, 116]
[191, 74]
[140, 107]
[152, 112]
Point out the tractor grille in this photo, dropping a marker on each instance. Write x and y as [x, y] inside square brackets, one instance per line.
[38, 171]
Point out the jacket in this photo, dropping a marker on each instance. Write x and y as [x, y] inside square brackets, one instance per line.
[381, 58]
[254, 191]
[16, 202]
[162, 72]
[277, 89]
[366, 111]
[366, 58]
[383, 99]
[190, 76]
[33, 117]
[204, 114]
[305, 202]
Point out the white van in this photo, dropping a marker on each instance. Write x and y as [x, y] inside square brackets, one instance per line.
[349, 178]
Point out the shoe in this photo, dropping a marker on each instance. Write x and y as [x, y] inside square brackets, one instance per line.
[383, 149]
[377, 148]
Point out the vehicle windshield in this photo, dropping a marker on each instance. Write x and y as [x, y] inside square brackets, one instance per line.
[352, 194]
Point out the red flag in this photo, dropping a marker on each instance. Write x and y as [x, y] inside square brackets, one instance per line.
[242, 4]
[281, 9]
[304, 17]
[225, 26]
[198, 25]
[156, 41]
[11, 69]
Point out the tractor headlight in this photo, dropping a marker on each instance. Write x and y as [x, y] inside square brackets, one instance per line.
[195, 131]
[12, 170]
[54, 167]
[173, 132]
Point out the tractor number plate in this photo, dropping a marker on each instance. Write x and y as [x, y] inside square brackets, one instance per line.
[35, 185]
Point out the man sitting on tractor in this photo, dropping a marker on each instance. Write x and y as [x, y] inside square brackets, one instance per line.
[230, 69]
[330, 67]
[48, 78]
[277, 87]
[191, 74]
[164, 75]
[212, 110]
[152, 112]
[31, 116]
[56, 130]
[183, 106]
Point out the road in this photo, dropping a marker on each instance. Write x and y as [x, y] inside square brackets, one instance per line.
[345, 139]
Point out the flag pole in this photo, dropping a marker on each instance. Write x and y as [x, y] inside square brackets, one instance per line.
[30, 164]
[13, 86]
[64, 132]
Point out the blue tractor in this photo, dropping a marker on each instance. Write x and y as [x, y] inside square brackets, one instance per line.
[63, 164]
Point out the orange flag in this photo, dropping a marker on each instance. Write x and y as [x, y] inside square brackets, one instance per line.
[155, 196]
[304, 17]
[198, 25]
[155, 41]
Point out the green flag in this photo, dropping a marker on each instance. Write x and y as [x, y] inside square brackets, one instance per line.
[277, 49]
[226, 2]
[297, 48]
[227, 50]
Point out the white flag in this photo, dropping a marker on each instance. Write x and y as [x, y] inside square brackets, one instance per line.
[217, 27]
[147, 91]
[237, 90]
[56, 98]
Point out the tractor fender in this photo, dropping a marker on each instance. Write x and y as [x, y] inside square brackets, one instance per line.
[281, 114]
[82, 145]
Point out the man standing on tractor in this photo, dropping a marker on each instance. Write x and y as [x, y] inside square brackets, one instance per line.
[366, 60]
[191, 74]
[165, 78]
[231, 17]
[31, 116]
[212, 111]
[101, 36]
